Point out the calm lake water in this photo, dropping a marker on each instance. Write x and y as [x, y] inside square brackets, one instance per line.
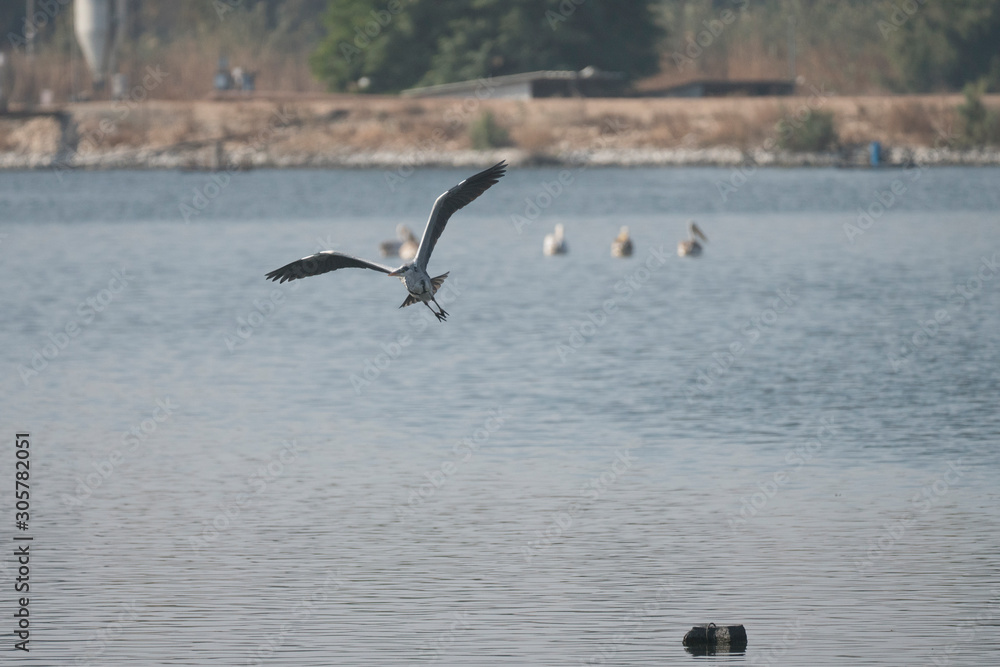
[797, 431]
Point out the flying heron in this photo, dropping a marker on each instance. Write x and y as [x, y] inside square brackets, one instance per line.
[691, 247]
[413, 274]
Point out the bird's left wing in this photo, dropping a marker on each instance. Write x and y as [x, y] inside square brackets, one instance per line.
[456, 198]
[322, 262]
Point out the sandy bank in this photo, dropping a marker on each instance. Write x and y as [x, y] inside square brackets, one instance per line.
[349, 131]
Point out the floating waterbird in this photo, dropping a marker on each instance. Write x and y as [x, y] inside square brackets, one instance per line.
[691, 247]
[413, 274]
[405, 248]
[622, 245]
[555, 243]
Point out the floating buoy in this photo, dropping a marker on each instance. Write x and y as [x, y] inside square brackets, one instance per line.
[731, 637]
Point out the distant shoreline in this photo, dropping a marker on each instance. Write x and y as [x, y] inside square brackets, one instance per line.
[341, 131]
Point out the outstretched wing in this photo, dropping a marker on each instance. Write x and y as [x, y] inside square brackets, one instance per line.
[456, 198]
[322, 262]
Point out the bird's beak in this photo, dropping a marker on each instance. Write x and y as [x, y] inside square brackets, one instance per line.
[396, 272]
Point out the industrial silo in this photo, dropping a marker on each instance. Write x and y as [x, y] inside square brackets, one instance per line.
[92, 21]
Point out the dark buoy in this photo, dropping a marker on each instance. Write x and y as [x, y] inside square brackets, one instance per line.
[721, 638]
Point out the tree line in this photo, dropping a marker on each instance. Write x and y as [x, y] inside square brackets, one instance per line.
[389, 45]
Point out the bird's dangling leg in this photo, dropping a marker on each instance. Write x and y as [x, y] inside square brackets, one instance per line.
[442, 315]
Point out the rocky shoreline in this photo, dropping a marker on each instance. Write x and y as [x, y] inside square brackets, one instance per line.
[390, 132]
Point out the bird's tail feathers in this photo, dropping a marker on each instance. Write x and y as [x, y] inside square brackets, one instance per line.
[437, 282]
[435, 285]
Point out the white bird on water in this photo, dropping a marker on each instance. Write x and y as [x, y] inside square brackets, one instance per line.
[622, 245]
[405, 248]
[413, 274]
[691, 247]
[555, 244]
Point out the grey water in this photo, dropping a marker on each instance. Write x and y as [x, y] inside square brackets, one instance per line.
[797, 431]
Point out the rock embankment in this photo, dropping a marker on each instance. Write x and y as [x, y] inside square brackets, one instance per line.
[351, 131]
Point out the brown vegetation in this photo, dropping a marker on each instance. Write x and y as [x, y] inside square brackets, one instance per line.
[323, 130]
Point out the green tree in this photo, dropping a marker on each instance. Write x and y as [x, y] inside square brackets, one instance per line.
[978, 126]
[396, 44]
[944, 45]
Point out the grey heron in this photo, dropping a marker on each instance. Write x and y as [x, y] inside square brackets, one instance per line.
[413, 274]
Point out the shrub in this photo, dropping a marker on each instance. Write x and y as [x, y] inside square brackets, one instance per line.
[485, 133]
[977, 125]
[814, 132]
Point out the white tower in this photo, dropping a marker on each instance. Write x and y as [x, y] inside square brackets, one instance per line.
[92, 20]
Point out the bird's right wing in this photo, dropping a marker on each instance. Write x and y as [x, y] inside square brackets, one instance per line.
[322, 262]
[458, 197]
[696, 231]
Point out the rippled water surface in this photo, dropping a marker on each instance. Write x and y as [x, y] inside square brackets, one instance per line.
[797, 432]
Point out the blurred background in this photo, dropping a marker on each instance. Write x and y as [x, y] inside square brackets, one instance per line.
[196, 82]
[852, 46]
[793, 427]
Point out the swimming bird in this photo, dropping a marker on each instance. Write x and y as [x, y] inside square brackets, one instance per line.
[419, 285]
[555, 244]
[405, 248]
[622, 245]
[691, 247]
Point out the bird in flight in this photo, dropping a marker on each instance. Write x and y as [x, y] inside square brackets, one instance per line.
[413, 274]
